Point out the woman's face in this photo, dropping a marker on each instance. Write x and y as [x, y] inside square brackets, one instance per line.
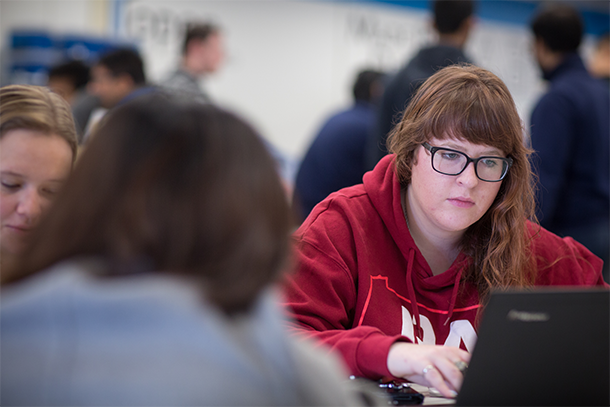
[33, 166]
[445, 204]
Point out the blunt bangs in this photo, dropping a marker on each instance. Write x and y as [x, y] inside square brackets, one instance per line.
[473, 113]
[462, 102]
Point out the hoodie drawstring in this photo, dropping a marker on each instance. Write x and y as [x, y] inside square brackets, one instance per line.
[454, 293]
[419, 334]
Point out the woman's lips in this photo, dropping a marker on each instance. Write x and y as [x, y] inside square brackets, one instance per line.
[461, 202]
[19, 229]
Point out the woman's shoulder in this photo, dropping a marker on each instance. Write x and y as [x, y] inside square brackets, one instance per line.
[546, 243]
[350, 205]
[562, 260]
[46, 285]
[80, 284]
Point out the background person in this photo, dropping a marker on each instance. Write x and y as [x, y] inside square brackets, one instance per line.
[70, 80]
[570, 128]
[150, 282]
[453, 21]
[335, 158]
[37, 149]
[116, 78]
[202, 54]
[391, 269]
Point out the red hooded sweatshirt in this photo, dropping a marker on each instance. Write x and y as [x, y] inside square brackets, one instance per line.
[362, 284]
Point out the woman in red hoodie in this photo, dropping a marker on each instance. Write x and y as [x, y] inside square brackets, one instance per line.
[391, 270]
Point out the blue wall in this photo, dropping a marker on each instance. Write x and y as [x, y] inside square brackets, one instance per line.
[517, 12]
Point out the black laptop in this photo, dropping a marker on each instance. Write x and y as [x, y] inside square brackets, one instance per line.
[542, 347]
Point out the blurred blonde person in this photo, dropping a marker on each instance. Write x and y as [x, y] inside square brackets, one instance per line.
[37, 149]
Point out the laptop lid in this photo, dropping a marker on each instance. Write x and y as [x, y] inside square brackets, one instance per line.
[547, 346]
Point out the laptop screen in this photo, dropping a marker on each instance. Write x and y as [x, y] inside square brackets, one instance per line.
[547, 346]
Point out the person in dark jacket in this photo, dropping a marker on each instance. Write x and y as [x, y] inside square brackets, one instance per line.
[453, 21]
[570, 130]
[335, 159]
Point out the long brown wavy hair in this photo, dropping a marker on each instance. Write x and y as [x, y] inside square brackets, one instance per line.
[473, 104]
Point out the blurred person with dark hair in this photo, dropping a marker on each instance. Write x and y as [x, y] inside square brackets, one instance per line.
[37, 149]
[453, 21]
[70, 80]
[117, 77]
[202, 54]
[151, 282]
[570, 131]
[335, 159]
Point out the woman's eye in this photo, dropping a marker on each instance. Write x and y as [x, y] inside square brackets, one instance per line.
[10, 185]
[490, 163]
[49, 192]
[450, 156]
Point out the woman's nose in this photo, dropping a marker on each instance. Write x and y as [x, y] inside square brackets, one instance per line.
[30, 205]
[468, 177]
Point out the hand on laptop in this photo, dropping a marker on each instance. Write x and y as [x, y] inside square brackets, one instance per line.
[429, 365]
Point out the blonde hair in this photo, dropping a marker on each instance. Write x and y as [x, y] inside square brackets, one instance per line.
[37, 108]
[473, 104]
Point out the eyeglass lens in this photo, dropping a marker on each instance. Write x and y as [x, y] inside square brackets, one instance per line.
[452, 163]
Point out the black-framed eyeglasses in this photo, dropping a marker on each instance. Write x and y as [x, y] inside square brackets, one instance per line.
[452, 162]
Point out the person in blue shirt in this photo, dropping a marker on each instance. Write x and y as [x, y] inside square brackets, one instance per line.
[335, 159]
[570, 131]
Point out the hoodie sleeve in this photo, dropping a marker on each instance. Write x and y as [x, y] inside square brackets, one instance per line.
[321, 297]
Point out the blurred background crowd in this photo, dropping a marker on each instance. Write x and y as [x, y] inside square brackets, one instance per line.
[287, 65]
[194, 136]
